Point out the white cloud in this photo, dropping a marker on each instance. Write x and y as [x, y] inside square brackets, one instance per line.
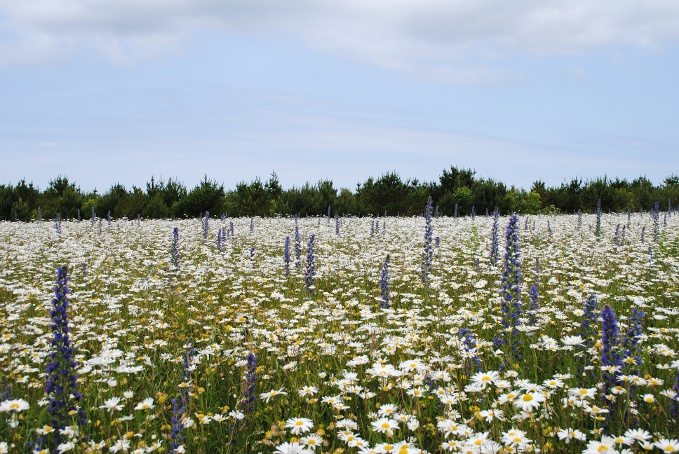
[457, 40]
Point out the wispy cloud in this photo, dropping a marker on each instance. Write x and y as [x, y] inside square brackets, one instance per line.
[458, 41]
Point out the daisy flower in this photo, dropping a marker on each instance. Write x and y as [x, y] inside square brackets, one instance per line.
[299, 425]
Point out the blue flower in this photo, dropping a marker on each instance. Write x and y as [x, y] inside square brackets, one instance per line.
[62, 379]
[427, 248]
[310, 271]
[384, 285]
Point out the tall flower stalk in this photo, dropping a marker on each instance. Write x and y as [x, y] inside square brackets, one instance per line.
[206, 225]
[611, 358]
[385, 295]
[286, 255]
[174, 251]
[180, 404]
[510, 289]
[427, 248]
[597, 231]
[655, 215]
[310, 271]
[249, 390]
[494, 238]
[62, 380]
[298, 244]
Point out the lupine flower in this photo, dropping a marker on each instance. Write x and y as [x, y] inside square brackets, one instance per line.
[427, 249]
[57, 224]
[180, 404]
[494, 238]
[510, 288]
[286, 255]
[337, 225]
[655, 215]
[674, 407]
[231, 228]
[310, 272]
[62, 381]
[249, 384]
[108, 217]
[610, 352]
[174, 252]
[252, 225]
[469, 343]
[298, 244]
[206, 225]
[589, 320]
[384, 285]
[221, 238]
[635, 330]
[533, 305]
[597, 231]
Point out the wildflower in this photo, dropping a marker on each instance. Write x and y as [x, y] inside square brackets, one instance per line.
[494, 237]
[605, 445]
[572, 341]
[638, 435]
[385, 426]
[529, 401]
[313, 441]
[307, 391]
[310, 271]
[292, 448]
[427, 249]
[146, 404]
[286, 255]
[268, 395]
[597, 231]
[485, 378]
[120, 445]
[250, 384]
[298, 244]
[299, 425]
[567, 435]
[180, 405]
[610, 355]
[510, 290]
[667, 445]
[589, 320]
[112, 404]
[16, 406]
[62, 381]
[515, 438]
[174, 251]
[384, 285]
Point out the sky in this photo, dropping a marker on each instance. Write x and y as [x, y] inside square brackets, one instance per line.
[108, 92]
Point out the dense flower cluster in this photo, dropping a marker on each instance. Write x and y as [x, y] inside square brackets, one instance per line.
[273, 367]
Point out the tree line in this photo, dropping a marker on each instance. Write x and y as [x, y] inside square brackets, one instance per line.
[458, 192]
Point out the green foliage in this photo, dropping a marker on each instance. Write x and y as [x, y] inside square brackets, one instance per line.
[388, 194]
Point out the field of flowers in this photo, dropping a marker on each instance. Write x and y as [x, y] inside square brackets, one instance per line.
[350, 335]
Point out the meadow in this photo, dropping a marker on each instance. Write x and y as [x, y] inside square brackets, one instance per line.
[209, 341]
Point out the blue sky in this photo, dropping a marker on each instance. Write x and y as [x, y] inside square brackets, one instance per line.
[344, 91]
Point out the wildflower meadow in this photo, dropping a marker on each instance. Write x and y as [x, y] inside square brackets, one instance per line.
[425, 334]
